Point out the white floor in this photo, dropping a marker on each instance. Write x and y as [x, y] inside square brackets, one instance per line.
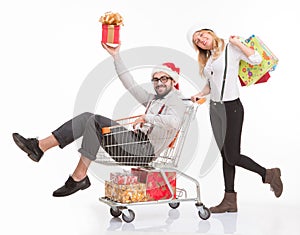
[27, 207]
[83, 215]
[184, 220]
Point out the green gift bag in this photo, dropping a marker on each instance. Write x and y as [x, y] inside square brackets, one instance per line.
[254, 74]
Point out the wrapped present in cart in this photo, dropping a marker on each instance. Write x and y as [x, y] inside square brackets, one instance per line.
[156, 188]
[125, 193]
[123, 177]
[156, 182]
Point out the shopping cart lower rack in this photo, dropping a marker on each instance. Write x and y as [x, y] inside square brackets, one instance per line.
[129, 148]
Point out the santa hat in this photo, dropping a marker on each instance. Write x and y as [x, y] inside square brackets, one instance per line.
[197, 27]
[170, 69]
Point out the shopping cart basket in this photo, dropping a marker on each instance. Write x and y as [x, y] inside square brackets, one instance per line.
[130, 148]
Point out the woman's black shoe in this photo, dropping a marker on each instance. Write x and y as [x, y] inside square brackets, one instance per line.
[29, 146]
[71, 186]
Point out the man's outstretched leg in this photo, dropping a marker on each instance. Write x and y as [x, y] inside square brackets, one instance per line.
[86, 125]
[62, 136]
[89, 148]
[78, 181]
[33, 147]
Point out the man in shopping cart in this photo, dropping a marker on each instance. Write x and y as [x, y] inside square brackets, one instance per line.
[151, 134]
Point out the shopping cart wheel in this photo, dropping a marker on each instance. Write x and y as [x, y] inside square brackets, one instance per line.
[115, 212]
[203, 212]
[174, 205]
[128, 215]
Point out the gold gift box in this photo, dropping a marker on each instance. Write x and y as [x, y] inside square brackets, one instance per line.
[125, 193]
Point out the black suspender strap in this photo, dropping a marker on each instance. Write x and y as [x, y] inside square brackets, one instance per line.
[224, 75]
[149, 104]
[159, 112]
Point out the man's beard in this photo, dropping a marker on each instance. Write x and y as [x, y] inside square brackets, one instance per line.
[160, 96]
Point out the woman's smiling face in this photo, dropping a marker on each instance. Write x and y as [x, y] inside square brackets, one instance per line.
[203, 39]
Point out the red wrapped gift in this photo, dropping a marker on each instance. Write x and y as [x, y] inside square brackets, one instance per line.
[111, 27]
[110, 34]
[123, 178]
[156, 187]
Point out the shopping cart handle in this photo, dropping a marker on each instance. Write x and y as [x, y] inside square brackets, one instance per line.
[198, 100]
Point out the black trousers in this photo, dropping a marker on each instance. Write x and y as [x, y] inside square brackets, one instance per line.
[125, 147]
[227, 123]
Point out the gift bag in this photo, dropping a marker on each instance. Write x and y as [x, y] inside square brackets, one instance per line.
[264, 78]
[254, 74]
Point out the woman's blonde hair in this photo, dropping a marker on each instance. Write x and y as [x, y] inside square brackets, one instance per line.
[203, 55]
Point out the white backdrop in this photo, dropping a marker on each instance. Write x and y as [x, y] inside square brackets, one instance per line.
[49, 47]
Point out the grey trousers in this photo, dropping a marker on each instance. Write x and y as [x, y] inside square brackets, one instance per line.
[89, 126]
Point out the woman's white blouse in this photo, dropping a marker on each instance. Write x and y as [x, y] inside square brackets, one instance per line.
[214, 71]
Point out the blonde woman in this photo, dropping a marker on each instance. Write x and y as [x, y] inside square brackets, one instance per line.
[219, 64]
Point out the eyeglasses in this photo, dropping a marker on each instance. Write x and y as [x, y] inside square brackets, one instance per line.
[163, 79]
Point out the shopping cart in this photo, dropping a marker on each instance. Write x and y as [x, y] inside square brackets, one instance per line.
[123, 152]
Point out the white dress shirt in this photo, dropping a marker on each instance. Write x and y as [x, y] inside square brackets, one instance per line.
[214, 71]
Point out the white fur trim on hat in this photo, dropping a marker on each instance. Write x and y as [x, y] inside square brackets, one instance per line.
[167, 70]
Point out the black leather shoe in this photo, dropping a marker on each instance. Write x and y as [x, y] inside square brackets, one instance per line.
[71, 186]
[29, 146]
